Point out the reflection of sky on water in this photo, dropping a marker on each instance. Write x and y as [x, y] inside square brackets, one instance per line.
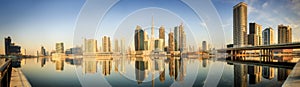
[123, 71]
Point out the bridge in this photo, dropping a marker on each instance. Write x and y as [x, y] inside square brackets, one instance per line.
[264, 49]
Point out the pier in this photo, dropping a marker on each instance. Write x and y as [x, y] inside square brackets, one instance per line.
[10, 76]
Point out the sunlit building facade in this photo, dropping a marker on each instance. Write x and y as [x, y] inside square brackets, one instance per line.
[158, 44]
[255, 36]
[240, 24]
[139, 39]
[162, 34]
[59, 47]
[106, 44]
[284, 34]
[171, 42]
[268, 36]
[90, 45]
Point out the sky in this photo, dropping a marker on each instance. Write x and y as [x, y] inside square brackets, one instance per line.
[35, 23]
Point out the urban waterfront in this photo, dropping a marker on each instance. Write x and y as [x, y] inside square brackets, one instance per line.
[163, 43]
[125, 71]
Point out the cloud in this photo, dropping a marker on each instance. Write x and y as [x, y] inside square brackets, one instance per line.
[296, 6]
[250, 4]
[265, 5]
[203, 24]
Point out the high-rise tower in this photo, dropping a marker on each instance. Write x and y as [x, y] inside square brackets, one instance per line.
[240, 24]
[162, 34]
[152, 36]
[284, 34]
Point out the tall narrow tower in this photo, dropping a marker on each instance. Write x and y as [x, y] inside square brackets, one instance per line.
[152, 36]
[152, 29]
[240, 24]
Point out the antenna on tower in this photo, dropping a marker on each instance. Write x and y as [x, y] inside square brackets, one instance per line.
[152, 21]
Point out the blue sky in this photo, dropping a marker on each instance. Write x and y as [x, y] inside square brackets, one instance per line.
[35, 23]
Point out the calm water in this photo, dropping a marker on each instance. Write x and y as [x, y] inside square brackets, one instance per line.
[125, 71]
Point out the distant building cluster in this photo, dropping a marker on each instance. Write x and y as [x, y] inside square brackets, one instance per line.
[256, 36]
[145, 45]
[91, 48]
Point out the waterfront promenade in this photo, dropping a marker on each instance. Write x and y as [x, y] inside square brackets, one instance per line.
[18, 79]
[11, 76]
[293, 79]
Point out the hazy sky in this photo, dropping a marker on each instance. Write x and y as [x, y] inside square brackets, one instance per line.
[35, 23]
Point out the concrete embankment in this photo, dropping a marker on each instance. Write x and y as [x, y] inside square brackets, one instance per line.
[18, 79]
[293, 79]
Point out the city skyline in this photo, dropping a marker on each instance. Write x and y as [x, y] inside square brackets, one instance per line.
[41, 28]
[178, 43]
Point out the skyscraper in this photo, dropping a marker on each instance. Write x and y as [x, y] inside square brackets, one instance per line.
[179, 38]
[204, 46]
[284, 34]
[116, 46]
[152, 36]
[147, 41]
[106, 46]
[59, 47]
[158, 44]
[90, 45]
[43, 51]
[7, 45]
[255, 36]
[176, 38]
[240, 24]
[171, 42]
[122, 46]
[11, 48]
[182, 38]
[162, 34]
[268, 36]
[139, 39]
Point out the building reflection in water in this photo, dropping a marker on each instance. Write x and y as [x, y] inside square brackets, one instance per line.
[122, 60]
[162, 76]
[204, 62]
[255, 74]
[282, 74]
[244, 74]
[268, 72]
[106, 67]
[177, 68]
[89, 65]
[283, 58]
[43, 62]
[240, 75]
[117, 63]
[161, 69]
[74, 61]
[59, 63]
[142, 68]
[16, 63]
